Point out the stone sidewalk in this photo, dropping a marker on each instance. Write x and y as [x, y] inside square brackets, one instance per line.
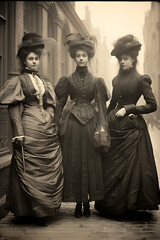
[143, 226]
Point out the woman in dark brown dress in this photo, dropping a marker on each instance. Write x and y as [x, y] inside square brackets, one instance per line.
[36, 173]
[129, 170]
[83, 180]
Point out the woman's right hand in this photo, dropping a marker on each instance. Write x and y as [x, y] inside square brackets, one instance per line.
[18, 141]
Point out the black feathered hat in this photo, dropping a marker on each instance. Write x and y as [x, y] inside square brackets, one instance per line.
[76, 40]
[30, 40]
[126, 44]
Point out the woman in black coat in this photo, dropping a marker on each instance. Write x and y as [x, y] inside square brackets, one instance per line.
[83, 181]
[129, 170]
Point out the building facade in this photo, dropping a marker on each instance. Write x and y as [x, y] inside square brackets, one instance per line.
[151, 33]
[100, 64]
[49, 19]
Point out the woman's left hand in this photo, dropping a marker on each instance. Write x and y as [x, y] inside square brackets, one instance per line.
[121, 112]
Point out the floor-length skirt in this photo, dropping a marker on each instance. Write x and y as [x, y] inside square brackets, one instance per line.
[36, 182]
[83, 179]
[129, 169]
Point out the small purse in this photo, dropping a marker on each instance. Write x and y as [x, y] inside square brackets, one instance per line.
[102, 136]
[102, 139]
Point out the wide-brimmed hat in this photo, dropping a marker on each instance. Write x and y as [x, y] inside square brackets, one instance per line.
[30, 40]
[34, 40]
[126, 44]
[76, 39]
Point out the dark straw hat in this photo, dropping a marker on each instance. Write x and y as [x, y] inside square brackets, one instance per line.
[30, 40]
[126, 44]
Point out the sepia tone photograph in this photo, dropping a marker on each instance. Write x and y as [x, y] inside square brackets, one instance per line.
[79, 120]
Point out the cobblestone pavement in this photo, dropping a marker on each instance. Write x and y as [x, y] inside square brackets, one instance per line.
[143, 226]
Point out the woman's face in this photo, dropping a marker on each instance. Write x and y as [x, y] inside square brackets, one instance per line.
[81, 58]
[32, 61]
[125, 62]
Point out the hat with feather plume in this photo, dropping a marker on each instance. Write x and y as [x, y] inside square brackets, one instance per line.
[33, 40]
[30, 40]
[126, 44]
[76, 40]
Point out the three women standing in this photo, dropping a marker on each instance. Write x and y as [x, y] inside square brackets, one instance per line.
[129, 180]
[129, 170]
[36, 173]
[83, 180]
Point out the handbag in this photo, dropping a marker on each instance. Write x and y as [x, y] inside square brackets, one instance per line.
[102, 139]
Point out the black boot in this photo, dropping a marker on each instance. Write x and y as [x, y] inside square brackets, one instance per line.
[99, 206]
[41, 221]
[87, 211]
[78, 210]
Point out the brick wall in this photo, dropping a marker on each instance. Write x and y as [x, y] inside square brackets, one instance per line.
[4, 176]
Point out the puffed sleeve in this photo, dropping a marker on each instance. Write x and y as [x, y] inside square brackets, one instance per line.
[12, 95]
[12, 91]
[62, 92]
[50, 101]
[151, 104]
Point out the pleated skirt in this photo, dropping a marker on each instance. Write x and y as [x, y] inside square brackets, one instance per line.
[83, 179]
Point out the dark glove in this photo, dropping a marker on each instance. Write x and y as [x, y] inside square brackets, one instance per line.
[18, 142]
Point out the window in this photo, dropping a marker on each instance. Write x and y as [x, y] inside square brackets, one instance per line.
[29, 16]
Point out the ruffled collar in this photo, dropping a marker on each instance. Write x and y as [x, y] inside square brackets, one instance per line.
[82, 71]
[27, 70]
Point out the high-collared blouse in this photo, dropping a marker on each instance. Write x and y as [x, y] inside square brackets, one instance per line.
[81, 87]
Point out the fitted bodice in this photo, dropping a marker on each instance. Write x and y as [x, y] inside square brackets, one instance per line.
[128, 87]
[82, 90]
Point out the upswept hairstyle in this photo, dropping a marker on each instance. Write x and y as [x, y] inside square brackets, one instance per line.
[24, 53]
[31, 42]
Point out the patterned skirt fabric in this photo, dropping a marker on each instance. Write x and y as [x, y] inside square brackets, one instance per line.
[83, 179]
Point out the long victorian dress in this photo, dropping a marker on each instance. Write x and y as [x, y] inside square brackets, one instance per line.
[129, 170]
[83, 179]
[36, 172]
